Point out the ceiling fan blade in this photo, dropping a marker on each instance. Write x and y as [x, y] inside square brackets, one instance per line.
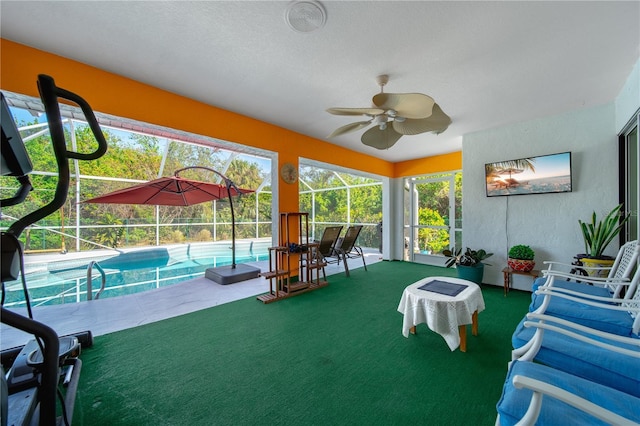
[437, 123]
[355, 111]
[351, 127]
[408, 105]
[380, 139]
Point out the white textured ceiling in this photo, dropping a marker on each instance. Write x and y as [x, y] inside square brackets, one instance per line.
[487, 64]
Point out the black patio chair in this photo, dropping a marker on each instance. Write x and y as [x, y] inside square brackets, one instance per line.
[327, 243]
[346, 247]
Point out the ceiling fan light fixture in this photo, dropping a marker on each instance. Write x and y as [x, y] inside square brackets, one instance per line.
[380, 119]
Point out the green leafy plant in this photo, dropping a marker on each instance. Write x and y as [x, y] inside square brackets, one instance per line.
[521, 251]
[599, 233]
[468, 258]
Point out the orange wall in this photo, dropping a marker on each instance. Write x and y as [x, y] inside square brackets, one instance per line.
[435, 164]
[113, 94]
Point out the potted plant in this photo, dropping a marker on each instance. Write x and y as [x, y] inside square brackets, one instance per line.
[469, 264]
[598, 234]
[520, 258]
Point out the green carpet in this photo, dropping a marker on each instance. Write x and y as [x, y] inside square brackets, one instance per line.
[329, 357]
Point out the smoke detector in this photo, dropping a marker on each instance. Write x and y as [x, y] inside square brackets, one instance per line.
[305, 16]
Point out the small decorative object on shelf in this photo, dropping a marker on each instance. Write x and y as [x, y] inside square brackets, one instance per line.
[298, 248]
[521, 258]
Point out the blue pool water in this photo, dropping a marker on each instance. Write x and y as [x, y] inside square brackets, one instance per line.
[128, 272]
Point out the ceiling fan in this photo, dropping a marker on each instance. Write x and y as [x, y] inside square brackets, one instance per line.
[394, 115]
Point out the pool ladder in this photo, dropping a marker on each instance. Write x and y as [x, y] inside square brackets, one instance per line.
[95, 264]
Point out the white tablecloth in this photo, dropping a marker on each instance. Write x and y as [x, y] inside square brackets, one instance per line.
[442, 314]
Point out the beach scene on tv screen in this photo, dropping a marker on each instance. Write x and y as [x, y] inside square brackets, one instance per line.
[534, 175]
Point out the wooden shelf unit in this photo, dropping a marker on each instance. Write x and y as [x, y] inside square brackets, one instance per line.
[293, 266]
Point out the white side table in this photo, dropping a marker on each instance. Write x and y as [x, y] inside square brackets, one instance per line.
[444, 314]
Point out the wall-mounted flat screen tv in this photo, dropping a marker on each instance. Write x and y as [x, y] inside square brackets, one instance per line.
[534, 175]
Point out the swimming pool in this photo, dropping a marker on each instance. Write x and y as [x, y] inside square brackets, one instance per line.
[127, 272]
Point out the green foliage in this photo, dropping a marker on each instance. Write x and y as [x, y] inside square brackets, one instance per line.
[177, 236]
[138, 157]
[598, 234]
[110, 237]
[203, 235]
[435, 219]
[468, 258]
[431, 239]
[364, 195]
[117, 237]
[522, 252]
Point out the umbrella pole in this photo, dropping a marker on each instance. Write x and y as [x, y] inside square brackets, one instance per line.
[233, 225]
[229, 184]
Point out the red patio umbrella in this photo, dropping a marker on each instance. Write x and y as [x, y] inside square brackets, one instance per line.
[170, 191]
[178, 191]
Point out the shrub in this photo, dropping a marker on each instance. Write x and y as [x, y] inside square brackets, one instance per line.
[522, 252]
[203, 235]
[176, 237]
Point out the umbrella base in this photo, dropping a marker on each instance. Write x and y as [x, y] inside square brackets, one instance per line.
[227, 275]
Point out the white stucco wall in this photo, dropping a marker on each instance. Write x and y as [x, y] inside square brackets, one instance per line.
[546, 222]
[628, 101]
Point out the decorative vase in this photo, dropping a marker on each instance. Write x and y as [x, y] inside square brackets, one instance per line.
[597, 263]
[521, 265]
[471, 273]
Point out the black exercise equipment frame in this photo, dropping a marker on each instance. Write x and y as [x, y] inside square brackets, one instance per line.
[49, 370]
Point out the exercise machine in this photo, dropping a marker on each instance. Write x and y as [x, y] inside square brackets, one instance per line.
[47, 368]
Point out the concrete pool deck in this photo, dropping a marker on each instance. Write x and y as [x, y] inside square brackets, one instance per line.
[108, 315]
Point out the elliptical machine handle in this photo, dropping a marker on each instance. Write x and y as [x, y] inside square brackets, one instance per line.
[49, 94]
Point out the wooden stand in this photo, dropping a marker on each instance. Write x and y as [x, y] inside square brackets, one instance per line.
[294, 267]
[508, 279]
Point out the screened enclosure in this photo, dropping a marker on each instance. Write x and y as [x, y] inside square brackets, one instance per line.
[338, 198]
[432, 215]
[139, 152]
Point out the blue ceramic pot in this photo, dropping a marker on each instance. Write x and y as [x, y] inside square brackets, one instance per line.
[471, 273]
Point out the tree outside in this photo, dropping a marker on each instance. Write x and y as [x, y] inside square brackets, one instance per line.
[134, 157]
